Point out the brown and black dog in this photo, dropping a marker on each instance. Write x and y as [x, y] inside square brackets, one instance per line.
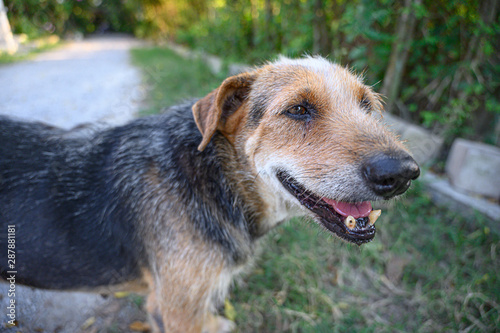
[176, 202]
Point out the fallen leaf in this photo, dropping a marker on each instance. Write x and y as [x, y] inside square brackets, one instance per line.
[89, 322]
[121, 294]
[229, 310]
[139, 326]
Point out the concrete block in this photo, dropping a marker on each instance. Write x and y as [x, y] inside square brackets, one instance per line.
[214, 63]
[423, 145]
[474, 167]
[444, 194]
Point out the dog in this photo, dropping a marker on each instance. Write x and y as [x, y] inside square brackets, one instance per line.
[174, 204]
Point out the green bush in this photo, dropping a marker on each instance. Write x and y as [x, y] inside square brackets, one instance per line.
[449, 80]
[36, 18]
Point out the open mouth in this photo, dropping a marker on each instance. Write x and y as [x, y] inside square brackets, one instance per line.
[353, 222]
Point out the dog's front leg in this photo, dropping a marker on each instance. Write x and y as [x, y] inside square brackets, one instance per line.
[182, 292]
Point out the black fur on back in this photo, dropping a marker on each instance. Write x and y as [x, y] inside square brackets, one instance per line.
[76, 200]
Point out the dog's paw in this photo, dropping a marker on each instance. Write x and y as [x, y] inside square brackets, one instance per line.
[218, 324]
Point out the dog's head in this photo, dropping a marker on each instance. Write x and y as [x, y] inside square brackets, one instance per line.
[307, 128]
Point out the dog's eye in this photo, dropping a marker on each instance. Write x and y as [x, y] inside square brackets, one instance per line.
[298, 112]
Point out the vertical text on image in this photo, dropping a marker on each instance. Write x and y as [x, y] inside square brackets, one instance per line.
[11, 274]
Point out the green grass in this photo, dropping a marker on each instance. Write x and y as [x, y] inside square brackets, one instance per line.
[442, 276]
[428, 269]
[171, 78]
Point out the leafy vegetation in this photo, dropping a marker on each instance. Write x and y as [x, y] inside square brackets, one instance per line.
[437, 61]
[37, 18]
[442, 51]
[428, 269]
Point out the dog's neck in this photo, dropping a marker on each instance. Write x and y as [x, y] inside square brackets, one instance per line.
[264, 209]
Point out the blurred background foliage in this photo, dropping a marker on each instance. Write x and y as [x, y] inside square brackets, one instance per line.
[437, 61]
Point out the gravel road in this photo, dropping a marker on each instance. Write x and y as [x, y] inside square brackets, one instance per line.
[90, 80]
[84, 81]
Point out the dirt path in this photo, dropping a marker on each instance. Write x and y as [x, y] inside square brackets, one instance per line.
[83, 81]
[88, 80]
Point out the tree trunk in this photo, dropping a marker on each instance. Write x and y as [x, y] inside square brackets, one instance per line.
[321, 40]
[399, 53]
[484, 121]
[7, 41]
[268, 24]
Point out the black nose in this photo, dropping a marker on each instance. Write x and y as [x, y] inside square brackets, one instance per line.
[389, 176]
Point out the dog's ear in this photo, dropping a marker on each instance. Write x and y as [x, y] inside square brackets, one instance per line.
[213, 112]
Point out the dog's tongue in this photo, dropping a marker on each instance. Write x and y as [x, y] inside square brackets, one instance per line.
[356, 210]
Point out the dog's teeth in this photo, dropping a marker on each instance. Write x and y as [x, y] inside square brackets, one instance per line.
[350, 222]
[374, 215]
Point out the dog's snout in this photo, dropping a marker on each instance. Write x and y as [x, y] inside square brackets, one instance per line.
[389, 176]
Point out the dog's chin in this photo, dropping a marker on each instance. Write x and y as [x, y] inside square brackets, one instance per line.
[353, 222]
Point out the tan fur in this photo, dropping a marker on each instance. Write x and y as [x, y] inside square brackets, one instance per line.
[185, 281]
[187, 277]
[208, 112]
